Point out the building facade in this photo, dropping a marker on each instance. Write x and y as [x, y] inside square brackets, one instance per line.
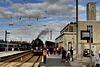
[67, 39]
[68, 33]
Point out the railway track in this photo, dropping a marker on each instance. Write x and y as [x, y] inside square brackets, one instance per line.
[30, 62]
[12, 56]
[24, 60]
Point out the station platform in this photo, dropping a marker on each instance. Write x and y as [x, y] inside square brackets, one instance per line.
[8, 53]
[55, 61]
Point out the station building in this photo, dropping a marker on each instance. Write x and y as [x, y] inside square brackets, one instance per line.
[67, 36]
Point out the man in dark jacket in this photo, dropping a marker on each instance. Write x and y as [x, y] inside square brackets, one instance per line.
[63, 54]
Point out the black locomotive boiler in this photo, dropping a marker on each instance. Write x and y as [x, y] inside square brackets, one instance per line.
[37, 47]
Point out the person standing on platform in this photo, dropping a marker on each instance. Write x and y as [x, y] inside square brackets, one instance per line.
[54, 50]
[59, 50]
[63, 55]
[44, 55]
[5, 49]
[68, 56]
[71, 51]
[47, 50]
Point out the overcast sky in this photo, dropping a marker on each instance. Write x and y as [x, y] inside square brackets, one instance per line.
[30, 17]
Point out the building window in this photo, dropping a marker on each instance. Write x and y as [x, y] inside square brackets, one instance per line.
[88, 28]
[70, 29]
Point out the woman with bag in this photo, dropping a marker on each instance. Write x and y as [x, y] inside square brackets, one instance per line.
[68, 56]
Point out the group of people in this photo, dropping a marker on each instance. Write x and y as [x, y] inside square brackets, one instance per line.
[47, 51]
[50, 51]
[67, 54]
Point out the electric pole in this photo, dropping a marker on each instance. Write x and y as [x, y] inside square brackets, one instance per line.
[76, 28]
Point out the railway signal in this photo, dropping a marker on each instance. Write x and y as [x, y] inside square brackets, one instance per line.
[6, 38]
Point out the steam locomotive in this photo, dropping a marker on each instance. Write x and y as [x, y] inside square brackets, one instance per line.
[37, 47]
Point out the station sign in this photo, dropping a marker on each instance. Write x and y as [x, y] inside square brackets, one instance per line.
[85, 35]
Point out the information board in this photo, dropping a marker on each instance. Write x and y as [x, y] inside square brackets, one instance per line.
[85, 35]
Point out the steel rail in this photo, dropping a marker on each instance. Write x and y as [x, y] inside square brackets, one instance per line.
[25, 61]
[14, 59]
[35, 61]
[11, 56]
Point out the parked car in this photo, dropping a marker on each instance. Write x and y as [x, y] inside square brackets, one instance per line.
[86, 53]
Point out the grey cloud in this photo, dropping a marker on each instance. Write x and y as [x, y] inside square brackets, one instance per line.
[31, 32]
[9, 1]
[1, 1]
[57, 9]
[67, 17]
[30, 13]
[6, 14]
[16, 6]
[53, 9]
[98, 12]
[13, 22]
[2, 33]
[3, 8]
[36, 5]
[30, 22]
[87, 0]
[37, 10]
[81, 8]
[58, 1]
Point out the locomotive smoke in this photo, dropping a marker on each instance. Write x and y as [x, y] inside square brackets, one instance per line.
[44, 32]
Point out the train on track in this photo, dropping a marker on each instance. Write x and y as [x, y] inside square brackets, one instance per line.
[3, 46]
[21, 47]
[37, 47]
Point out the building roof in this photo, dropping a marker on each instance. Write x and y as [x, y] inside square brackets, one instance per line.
[71, 33]
[68, 25]
[59, 36]
[89, 21]
[51, 40]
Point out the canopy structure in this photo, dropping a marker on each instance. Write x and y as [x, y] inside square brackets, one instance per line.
[50, 42]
